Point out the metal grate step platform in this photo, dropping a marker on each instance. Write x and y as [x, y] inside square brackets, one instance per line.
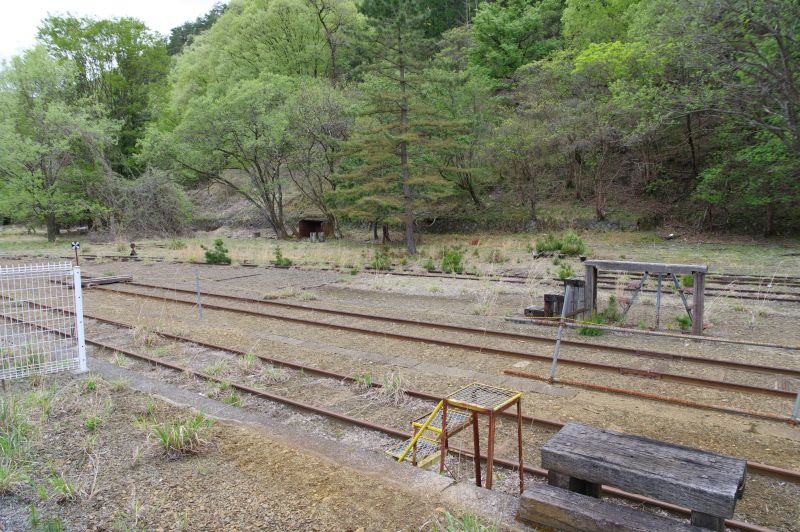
[425, 448]
[456, 420]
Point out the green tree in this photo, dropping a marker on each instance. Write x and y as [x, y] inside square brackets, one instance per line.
[320, 123]
[392, 180]
[243, 127]
[182, 35]
[511, 33]
[593, 21]
[51, 142]
[119, 63]
[461, 97]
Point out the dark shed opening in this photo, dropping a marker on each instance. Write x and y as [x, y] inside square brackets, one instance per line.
[306, 226]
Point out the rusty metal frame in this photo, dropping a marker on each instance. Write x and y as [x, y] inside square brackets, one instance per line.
[492, 412]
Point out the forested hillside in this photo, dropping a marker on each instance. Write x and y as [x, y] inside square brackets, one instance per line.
[413, 115]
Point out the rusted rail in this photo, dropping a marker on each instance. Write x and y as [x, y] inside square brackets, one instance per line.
[732, 523]
[739, 525]
[661, 355]
[698, 381]
[774, 471]
[654, 397]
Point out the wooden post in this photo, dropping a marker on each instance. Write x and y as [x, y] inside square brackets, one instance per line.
[698, 302]
[519, 446]
[476, 448]
[490, 453]
[658, 302]
[591, 289]
[443, 438]
[717, 524]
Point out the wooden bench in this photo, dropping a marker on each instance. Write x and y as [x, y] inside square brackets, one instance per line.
[566, 510]
[581, 459]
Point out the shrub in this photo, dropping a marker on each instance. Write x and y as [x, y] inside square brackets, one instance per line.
[565, 271]
[182, 436]
[451, 260]
[595, 319]
[611, 314]
[568, 243]
[571, 244]
[363, 381]
[150, 204]
[687, 280]
[176, 244]
[280, 260]
[429, 265]
[382, 259]
[684, 322]
[218, 255]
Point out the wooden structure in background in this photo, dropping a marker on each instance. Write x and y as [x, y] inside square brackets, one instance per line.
[307, 226]
[698, 271]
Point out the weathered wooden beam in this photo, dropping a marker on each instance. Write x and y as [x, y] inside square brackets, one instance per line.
[698, 300]
[651, 267]
[111, 279]
[700, 480]
[560, 509]
[591, 289]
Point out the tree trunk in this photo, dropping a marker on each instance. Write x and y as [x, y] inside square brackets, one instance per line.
[690, 139]
[385, 236]
[374, 226]
[52, 226]
[599, 202]
[411, 246]
[769, 220]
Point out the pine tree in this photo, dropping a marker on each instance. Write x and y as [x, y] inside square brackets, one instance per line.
[391, 177]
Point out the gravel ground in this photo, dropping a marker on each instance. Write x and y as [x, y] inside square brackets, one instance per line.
[767, 501]
[242, 480]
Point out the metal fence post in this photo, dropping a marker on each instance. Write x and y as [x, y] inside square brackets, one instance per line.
[197, 289]
[78, 295]
[567, 302]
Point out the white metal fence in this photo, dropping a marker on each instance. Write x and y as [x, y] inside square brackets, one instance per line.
[42, 320]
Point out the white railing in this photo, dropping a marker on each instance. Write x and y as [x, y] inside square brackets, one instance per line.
[41, 311]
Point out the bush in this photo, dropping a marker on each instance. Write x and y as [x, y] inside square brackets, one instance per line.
[451, 261]
[218, 255]
[611, 314]
[429, 265]
[687, 280]
[176, 244]
[596, 319]
[568, 243]
[280, 260]
[382, 259]
[684, 322]
[548, 243]
[571, 244]
[150, 204]
[565, 271]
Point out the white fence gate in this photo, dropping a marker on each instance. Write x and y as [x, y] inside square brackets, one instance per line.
[42, 315]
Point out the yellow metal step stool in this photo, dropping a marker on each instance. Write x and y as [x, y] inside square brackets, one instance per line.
[454, 413]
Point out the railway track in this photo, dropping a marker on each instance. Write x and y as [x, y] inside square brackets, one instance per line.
[328, 413]
[711, 279]
[485, 332]
[624, 370]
